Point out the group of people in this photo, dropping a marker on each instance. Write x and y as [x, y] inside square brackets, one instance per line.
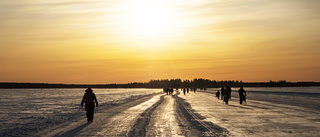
[90, 100]
[226, 94]
[187, 89]
[169, 91]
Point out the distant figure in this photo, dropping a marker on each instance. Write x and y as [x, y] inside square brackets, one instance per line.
[195, 90]
[89, 98]
[184, 91]
[228, 91]
[167, 90]
[222, 93]
[187, 90]
[242, 94]
[218, 94]
[226, 94]
[171, 91]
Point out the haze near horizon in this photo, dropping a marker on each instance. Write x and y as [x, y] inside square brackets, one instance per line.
[103, 41]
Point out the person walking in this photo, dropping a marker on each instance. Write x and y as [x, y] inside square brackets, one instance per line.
[218, 94]
[222, 93]
[242, 95]
[89, 98]
[228, 91]
[227, 94]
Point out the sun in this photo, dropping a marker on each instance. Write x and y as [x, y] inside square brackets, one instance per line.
[148, 21]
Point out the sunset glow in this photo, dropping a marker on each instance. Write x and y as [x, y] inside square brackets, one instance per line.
[148, 24]
[135, 41]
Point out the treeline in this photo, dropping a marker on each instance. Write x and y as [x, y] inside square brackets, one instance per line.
[206, 83]
[166, 83]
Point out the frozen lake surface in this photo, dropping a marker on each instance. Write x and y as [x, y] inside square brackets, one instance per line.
[289, 111]
[24, 111]
[267, 112]
[308, 97]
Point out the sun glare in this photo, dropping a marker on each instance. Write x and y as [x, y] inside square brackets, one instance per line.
[148, 21]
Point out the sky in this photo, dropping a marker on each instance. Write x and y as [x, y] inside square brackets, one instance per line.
[123, 41]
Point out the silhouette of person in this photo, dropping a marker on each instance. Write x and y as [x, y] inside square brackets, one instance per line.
[223, 92]
[242, 94]
[167, 90]
[228, 91]
[184, 91]
[218, 94]
[227, 94]
[89, 98]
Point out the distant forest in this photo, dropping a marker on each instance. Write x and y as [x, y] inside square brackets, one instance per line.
[166, 83]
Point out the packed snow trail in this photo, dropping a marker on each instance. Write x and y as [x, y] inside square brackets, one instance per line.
[195, 124]
[195, 114]
[161, 115]
[163, 120]
[172, 117]
[116, 121]
[256, 118]
[121, 124]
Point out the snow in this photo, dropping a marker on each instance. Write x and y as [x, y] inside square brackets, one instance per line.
[26, 111]
[290, 111]
[163, 120]
[275, 117]
[123, 122]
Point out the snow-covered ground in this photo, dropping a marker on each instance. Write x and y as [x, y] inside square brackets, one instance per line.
[131, 112]
[268, 111]
[26, 111]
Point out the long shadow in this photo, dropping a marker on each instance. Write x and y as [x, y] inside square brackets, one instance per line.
[240, 106]
[286, 93]
[281, 98]
[258, 107]
[72, 132]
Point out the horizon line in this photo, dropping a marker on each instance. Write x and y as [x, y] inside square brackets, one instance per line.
[160, 79]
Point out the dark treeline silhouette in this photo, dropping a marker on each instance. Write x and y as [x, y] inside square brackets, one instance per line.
[166, 83]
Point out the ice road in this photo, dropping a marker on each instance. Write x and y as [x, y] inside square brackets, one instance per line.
[195, 114]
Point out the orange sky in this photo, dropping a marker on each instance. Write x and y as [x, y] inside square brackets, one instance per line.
[102, 41]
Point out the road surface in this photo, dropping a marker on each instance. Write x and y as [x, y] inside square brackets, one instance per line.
[194, 114]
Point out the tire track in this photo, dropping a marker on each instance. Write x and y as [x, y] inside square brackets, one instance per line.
[139, 128]
[204, 128]
[164, 121]
[100, 124]
[192, 123]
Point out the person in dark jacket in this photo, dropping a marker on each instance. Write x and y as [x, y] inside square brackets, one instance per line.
[89, 99]
[223, 92]
[218, 94]
[242, 95]
[228, 91]
[227, 94]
